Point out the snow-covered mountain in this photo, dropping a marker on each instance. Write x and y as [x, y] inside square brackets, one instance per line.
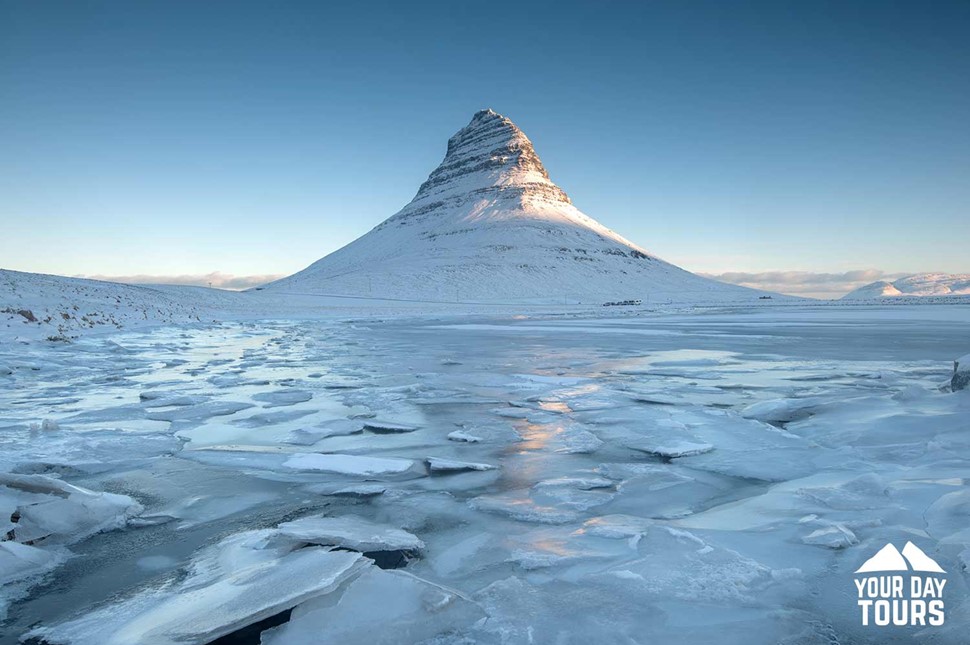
[921, 284]
[489, 225]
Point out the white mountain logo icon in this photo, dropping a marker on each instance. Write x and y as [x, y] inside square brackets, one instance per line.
[890, 559]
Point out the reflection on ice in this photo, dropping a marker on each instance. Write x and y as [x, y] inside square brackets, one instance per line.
[683, 478]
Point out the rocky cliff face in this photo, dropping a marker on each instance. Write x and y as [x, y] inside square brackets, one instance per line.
[489, 161]
[490, 157]
[490, 225]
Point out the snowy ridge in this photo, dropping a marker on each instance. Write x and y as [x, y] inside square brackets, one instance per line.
[57, 307]
[919, 285]
[489, 225]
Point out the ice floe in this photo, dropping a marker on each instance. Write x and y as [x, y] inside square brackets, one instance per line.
[282, 397]
[50, 511]
[461, 435]
[350, 532]
[387, 427]
[42, 515]
[242, 581]
[409, 610]
[640, 492]
[348, 464]
[442, 465]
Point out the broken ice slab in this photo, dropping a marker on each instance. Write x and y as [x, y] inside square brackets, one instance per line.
[262, 419]
[355, 490]
[22, 566]
[781, 411]
[350, 532]
[21, 560]
[573, 440]
[245, 584]
[655, 490]
[617, 526]
[441, 465]
[41, 515]
[156, 399]
[348, 464]
[90, 451]
[556, 611]
[461, 435]
[380, 608]
[834, 536]
[387, 427]
[678, 565]
[669, 449]
[568, 497]
[199, 412]
[331, 428]
[282, 397]
[51, 511]
[581, 483]
[562, 546]
[514, 413]
[207, 508]
[519, 506]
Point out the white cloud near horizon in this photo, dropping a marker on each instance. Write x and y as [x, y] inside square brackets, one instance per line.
[806, 283]
[216, 280]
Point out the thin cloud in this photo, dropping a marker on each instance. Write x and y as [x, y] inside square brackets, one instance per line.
[806, 283]
[215, 279]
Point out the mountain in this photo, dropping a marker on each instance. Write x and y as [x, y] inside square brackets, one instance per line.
[489, 225]
[921, 284]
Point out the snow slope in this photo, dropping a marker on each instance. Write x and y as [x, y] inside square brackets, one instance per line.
[35, 304]
[489, 225]
[921, 285]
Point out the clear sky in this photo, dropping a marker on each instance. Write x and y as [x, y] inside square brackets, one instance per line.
[829, 141]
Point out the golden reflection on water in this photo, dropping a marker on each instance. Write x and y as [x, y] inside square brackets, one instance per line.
[555, 406]
[554, 546]
[528, 459]
[535, 436]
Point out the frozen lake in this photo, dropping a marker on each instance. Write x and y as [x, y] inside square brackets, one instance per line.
[711, 478]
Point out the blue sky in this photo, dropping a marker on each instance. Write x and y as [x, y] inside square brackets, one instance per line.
[815, 140]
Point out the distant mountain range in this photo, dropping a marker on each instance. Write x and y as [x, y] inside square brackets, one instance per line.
[921, 284]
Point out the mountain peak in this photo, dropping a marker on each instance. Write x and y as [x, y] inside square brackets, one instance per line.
[489, 225]
[487, 113]
[489, 157]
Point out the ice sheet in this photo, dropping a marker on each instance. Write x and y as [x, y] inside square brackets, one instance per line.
[689, 478]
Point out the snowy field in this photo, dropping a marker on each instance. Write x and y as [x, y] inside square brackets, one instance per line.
[697, 478]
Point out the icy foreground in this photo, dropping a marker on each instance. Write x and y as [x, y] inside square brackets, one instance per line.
[709, 478]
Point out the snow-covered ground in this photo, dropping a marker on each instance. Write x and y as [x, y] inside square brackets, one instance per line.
[713, 476]
[37, 307]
